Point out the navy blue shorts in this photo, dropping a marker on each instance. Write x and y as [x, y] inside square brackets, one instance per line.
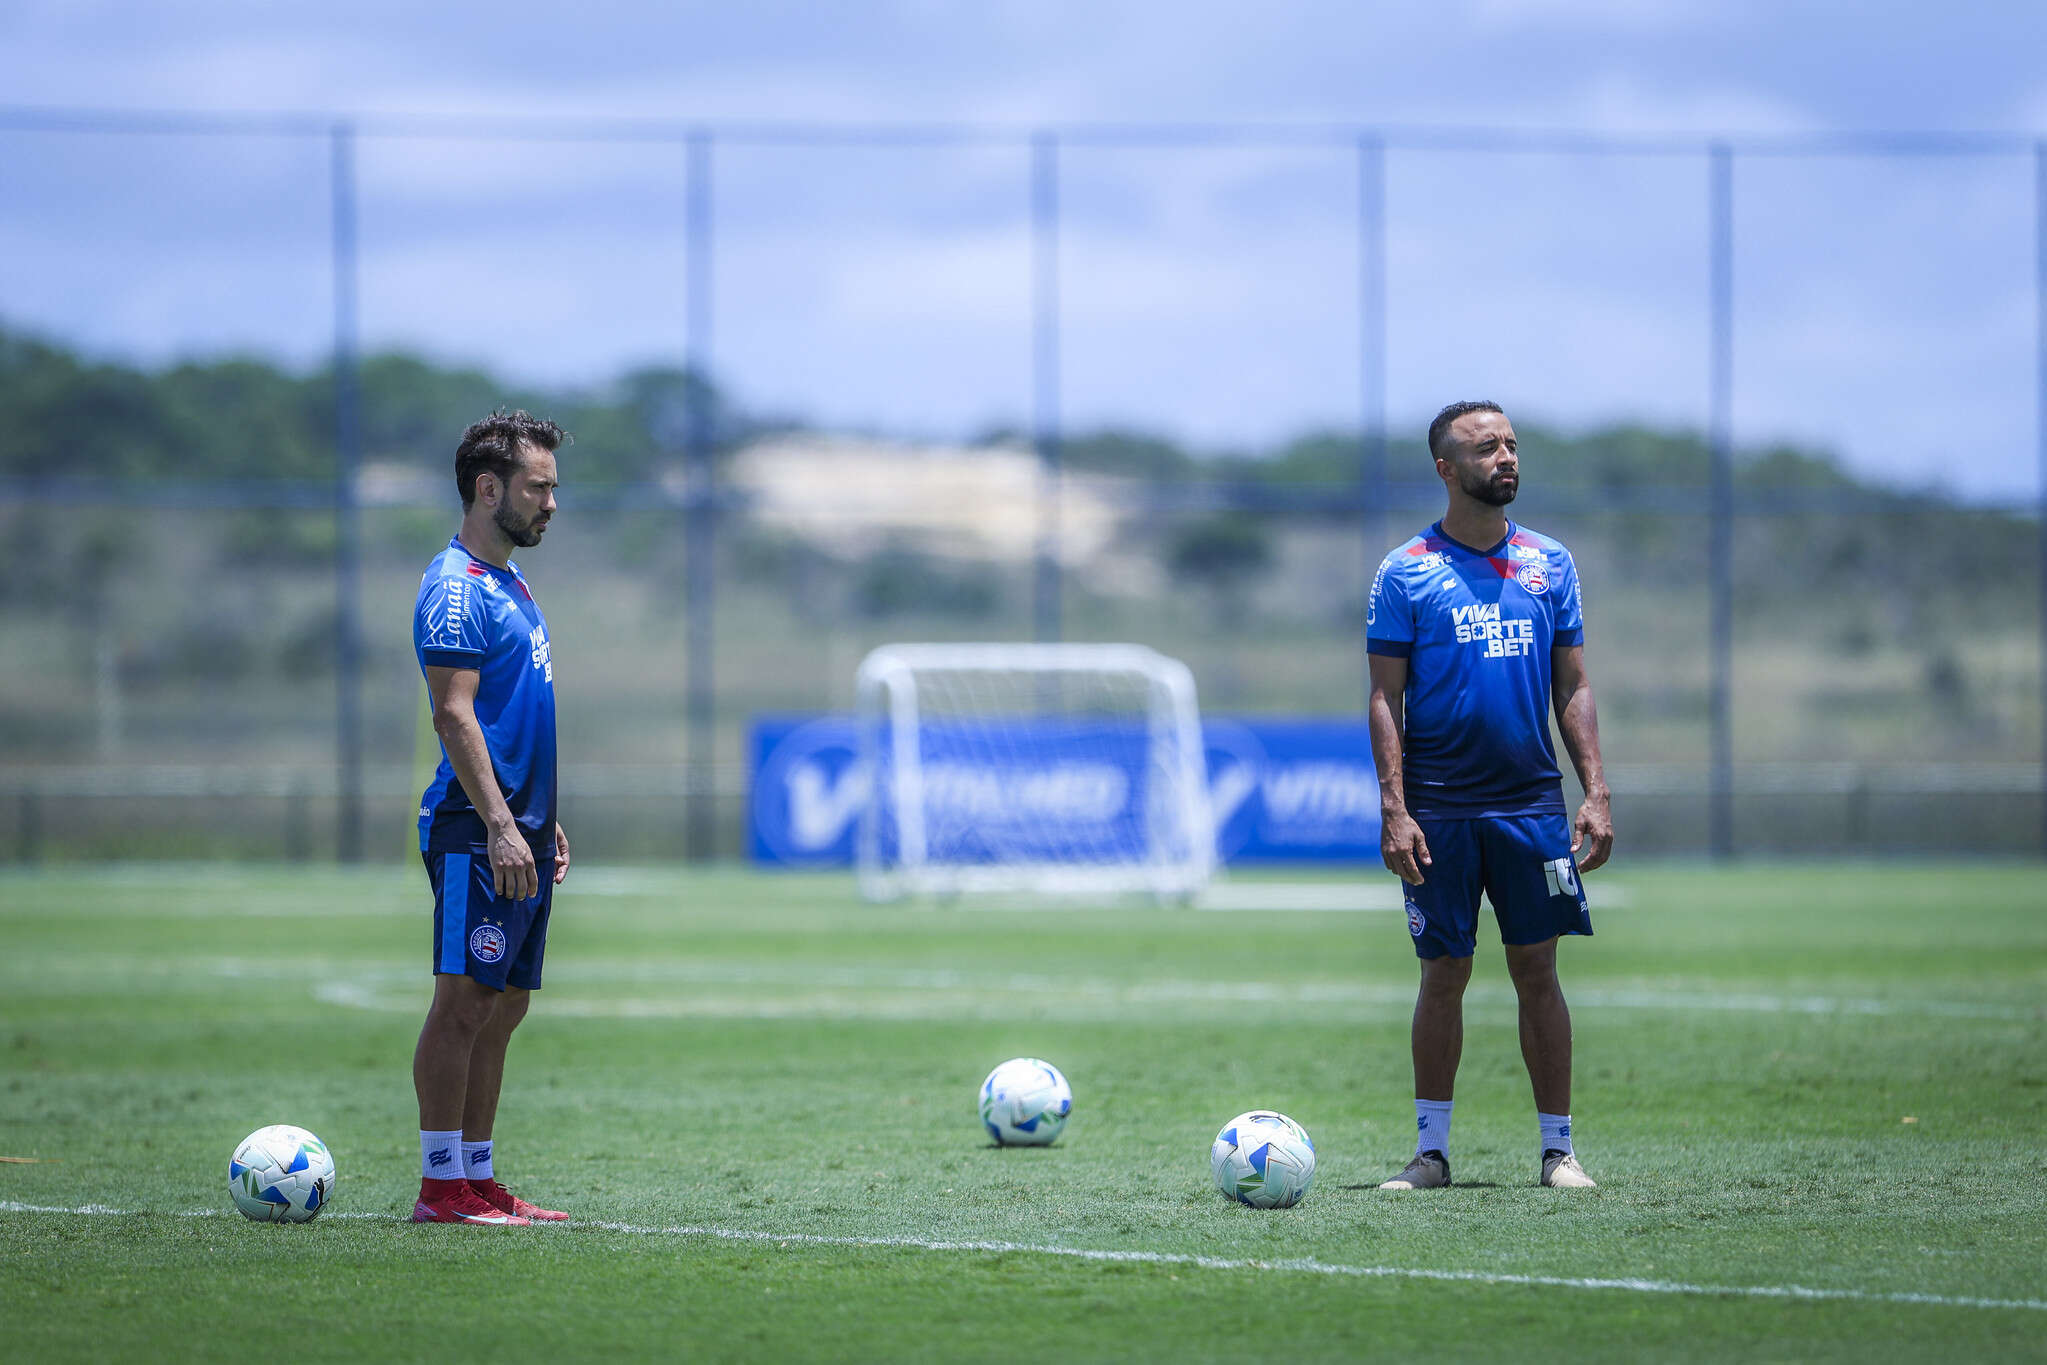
[1524, 866]
[478, 933]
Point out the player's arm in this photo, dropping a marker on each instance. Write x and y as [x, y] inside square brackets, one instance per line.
[1400, 839]
[1578, 722]
[453, 691]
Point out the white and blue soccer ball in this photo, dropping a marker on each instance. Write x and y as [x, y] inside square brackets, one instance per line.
[1025, 1102]
[1263, 1159]
[281, 1174]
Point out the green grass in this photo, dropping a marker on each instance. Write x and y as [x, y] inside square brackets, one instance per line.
[1832, 1077]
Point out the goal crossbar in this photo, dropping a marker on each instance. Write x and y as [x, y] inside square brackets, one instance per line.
[1058, 768]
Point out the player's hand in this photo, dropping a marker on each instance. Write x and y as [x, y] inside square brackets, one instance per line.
[561, 855]
[1592, 831]
[1405, 850]
[512, 869]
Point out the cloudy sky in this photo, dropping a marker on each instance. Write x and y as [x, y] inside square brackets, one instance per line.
[1884, 306]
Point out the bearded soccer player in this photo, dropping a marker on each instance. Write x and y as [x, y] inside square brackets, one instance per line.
[1475, 629]
[494, 851]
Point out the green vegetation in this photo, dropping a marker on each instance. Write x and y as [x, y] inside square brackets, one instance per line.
[1872, 626]
[1831, 1077]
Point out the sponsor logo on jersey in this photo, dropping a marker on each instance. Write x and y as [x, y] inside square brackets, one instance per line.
[454, 610]
[1533, 577]
[1518, 551]
[487, 943]
[1372, 597]
[1415, 922]
[1480, 624]
[542, 652]
[1428, 563]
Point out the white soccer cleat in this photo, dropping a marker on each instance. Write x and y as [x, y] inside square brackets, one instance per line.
[1561, 1171]
[1428, 1171]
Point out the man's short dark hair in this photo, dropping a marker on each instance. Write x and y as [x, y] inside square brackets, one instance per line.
[1440, 428]
[493, 445]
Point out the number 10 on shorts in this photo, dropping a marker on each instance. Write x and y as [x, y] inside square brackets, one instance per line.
[1561, 876]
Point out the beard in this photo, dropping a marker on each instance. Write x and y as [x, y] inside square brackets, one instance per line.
[1497, 491]
[522, 532]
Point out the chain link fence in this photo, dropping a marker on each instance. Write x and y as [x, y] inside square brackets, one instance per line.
[207, 595]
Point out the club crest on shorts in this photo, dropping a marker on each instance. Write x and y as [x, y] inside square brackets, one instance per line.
[1415, 922]
[487, 943]
[1533, 576]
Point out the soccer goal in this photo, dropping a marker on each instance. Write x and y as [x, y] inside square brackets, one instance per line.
[1074, 769]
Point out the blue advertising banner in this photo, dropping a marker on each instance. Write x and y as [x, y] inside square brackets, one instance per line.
[1298, 790]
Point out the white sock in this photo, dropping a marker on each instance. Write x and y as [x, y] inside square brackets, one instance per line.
[1556, 1131]
[440, 1155]
[1432, 1126]
[476, 1160]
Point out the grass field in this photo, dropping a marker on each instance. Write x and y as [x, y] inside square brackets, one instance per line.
[1815, 1098]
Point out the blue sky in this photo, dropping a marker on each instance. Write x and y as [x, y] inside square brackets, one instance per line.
[1884, 308]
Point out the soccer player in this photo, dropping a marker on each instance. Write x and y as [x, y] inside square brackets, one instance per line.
[494, 851]
[1474, 627]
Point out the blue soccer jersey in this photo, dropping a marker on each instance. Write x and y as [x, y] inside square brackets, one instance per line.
[1476, 628]
[475, 615]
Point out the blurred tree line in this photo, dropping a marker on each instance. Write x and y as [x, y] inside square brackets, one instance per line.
[66, 418]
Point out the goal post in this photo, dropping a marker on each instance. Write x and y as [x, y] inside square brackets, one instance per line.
[1062, 769]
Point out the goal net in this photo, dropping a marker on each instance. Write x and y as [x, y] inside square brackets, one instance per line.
[1071, 769]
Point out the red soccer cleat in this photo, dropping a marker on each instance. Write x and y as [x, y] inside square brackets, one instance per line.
[454, 1201]
[504, 1201]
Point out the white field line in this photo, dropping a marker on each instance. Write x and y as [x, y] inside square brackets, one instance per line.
[1300, 1266]
[1374, 890]
[1381, 894]
[1367, 897]
[691, 989]
[786, 991]
[191, 895]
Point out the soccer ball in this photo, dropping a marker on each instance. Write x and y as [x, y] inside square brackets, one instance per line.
[281, 1174]
[1024, 1102]
[1263, 1159]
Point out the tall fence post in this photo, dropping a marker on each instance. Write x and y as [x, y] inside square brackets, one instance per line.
[2040, 424]
[348, 739]
[1372, 520]
[1045, 437]
[700, 508]
[1720, 541]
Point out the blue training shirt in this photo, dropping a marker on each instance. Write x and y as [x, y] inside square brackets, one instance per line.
[1476, 628]
[472, 614]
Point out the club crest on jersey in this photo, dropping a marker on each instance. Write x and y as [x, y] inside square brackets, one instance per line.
[487, 943]
[1415, 922]
[1533, 576]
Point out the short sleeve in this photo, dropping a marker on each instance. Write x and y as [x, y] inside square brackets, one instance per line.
[1389, 617]
[1570, 628]
[450, 629]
